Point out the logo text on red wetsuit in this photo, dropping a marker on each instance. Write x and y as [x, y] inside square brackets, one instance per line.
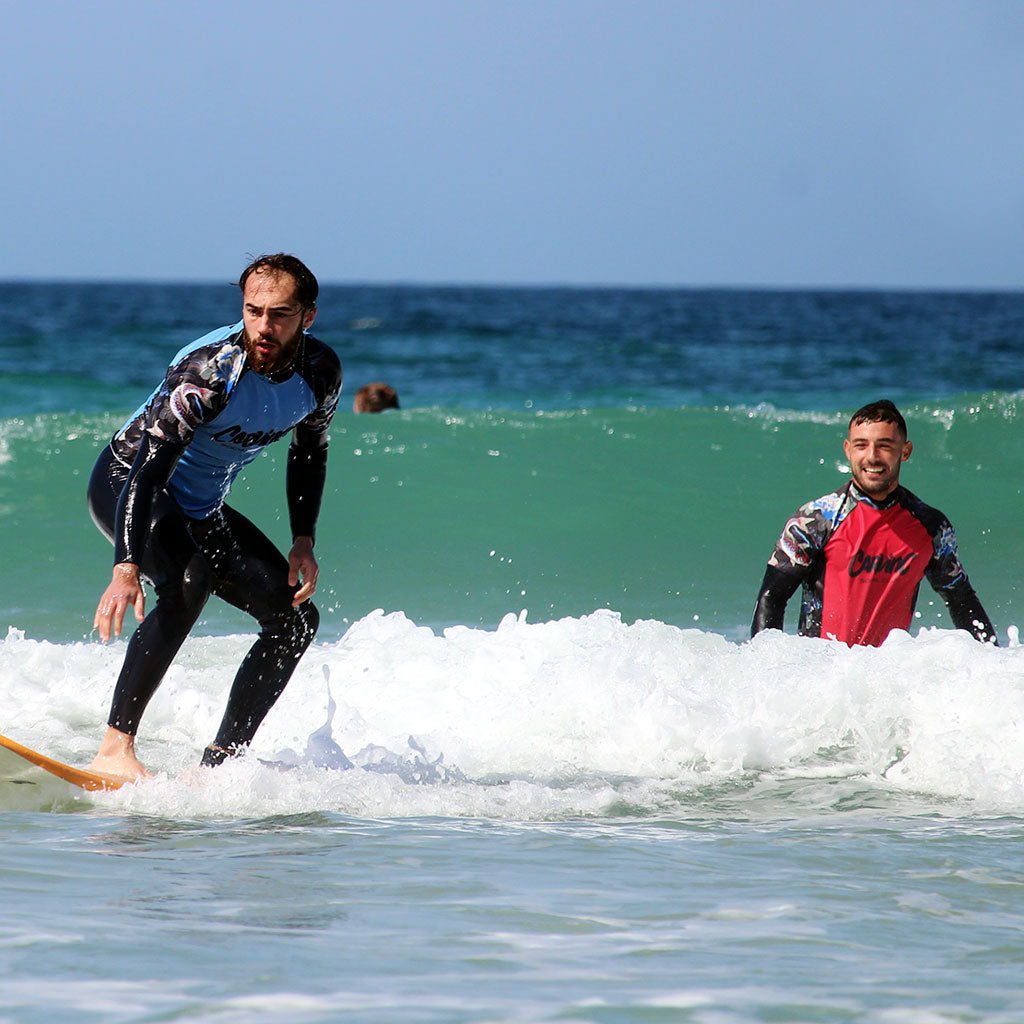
[889, 564]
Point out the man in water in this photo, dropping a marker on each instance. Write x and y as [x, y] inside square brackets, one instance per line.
[158, 492]
[861, 552]
[375, 397]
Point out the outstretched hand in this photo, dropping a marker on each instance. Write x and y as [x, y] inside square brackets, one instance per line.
[302, 565]
[125, 590]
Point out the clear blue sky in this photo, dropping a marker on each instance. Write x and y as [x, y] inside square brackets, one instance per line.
[663, 142]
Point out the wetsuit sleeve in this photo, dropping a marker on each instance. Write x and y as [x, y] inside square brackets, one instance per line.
[154, 463]
[307, 453]
[949, 580]
[798, 548]
[777, 587]
[305, 477]
[194, 392]
[967, 613]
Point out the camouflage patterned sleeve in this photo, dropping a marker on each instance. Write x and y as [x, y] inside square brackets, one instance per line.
[802, 542]
[949, 580]
[944, 569]
[320, 418]
[322, 370]
[804, 536]
[194, 391]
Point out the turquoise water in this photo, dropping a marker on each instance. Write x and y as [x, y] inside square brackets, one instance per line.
[579, 793]
[460, 516]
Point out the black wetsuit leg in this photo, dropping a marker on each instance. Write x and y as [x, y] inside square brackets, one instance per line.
[250, 573]
[185, 560]
[182, 581]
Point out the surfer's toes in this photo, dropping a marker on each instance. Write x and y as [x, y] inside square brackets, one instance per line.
[120, 768]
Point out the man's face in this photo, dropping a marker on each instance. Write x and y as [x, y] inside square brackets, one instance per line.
[876, 451]
[273, 320]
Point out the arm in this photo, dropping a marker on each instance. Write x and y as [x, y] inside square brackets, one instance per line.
[797, 550]
[946, 574]
[307, 466]
[967, 613]
[304, 479]
[305, 476]
[777, 588]
[154, 463]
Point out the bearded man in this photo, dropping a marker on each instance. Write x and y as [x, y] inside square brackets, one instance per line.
[861, 552]
[158, 492]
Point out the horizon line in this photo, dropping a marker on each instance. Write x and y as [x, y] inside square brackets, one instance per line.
[524, 285]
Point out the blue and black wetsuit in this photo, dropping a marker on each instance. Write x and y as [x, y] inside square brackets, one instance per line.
[158, 491]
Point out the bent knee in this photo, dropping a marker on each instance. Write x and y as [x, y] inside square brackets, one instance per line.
[295, 627]
[196, 583]
[309, 616]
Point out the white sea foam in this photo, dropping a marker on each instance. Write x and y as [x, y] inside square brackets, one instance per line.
[584, 716]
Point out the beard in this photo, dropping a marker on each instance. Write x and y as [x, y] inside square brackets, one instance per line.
[276, 356]
[876, 485]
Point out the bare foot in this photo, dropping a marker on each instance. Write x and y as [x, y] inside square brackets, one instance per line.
[116, 757]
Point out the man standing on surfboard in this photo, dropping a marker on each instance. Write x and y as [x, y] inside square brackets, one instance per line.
[861, 552]
[158, 493]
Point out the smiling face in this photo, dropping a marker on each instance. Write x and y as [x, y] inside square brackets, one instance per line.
[274, 320]
[876, 451]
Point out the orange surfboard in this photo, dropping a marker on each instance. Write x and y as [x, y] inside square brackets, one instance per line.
[76, 776]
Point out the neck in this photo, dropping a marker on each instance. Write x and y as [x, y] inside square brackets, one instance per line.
[878, 499]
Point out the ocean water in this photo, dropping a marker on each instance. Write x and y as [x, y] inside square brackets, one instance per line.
[532, 769]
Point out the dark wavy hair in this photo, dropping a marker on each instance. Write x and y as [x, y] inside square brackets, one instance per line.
[882, 411]
[306, 287]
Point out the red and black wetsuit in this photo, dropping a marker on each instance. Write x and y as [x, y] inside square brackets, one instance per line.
[861, 564]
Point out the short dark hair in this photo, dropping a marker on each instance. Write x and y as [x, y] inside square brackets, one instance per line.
[306, 287]
[375, 397]
[882, 411]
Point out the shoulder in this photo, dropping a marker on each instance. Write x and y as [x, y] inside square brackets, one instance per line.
[805, 534]
[938, 527]
[822, 515]
[321, 356]
[930, 517]
[216, 359]
[829, 507]
[320, 367]
[198, 384]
